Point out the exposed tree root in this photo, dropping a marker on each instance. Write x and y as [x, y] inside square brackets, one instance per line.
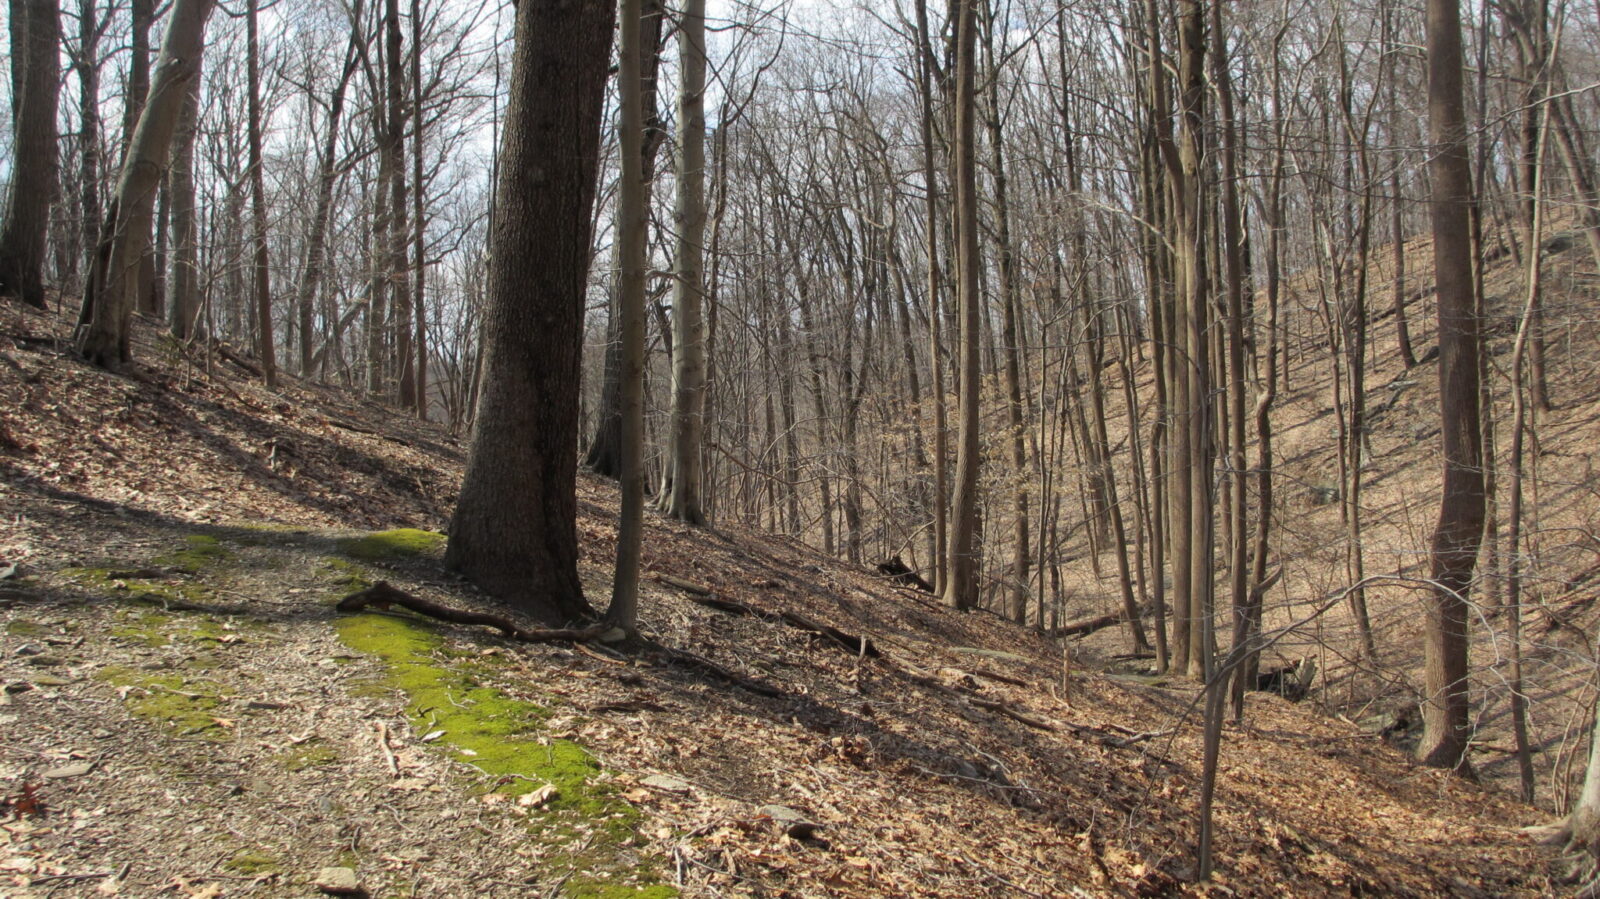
[382, 596]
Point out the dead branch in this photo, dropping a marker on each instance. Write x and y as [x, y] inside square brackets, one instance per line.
[851, 643]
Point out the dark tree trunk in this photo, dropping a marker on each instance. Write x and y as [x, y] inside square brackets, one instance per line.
[1446, 722]
[36, 73]
[515, 525]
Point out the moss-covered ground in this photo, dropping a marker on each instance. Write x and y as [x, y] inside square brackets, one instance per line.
[582, 830]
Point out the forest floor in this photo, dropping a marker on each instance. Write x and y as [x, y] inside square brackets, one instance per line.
[184, 713]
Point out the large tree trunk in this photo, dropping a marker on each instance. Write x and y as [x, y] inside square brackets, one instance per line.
[102, 335]
[34, 91]
[1446, 723]
[515, 526]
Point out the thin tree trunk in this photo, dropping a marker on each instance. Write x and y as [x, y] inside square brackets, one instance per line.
[1445, 714]
[632, 218]
[266, 350]
[688, 329]
[961, 579]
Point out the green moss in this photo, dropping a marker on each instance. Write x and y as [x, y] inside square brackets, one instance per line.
[310, 754]
[184, 707]
[199, 551]
[253, 864]
[400, 543]
[345, 578]
[24, 628]
[502, 736]
[146, 591]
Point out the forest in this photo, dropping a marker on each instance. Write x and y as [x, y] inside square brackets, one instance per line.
[999, 395]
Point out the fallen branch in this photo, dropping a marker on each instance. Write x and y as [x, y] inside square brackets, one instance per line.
[1011, 713]
[851, 643]
[382, 596]
[383, 746]
[1088, 626]
[701, 663]
[685, 586]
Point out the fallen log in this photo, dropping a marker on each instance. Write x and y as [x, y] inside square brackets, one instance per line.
[1086, 626]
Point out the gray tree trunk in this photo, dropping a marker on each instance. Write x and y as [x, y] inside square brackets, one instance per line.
[688, 289]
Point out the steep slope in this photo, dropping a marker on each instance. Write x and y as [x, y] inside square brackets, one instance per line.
[193, 716]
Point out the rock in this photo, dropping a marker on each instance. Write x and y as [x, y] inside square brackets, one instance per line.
[29, 649]
[615, 635]
[794, 823]
[76, 769]
[339, 882]
[666, 783]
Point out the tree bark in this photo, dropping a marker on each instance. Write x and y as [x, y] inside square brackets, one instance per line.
[266, 349]
[1456, 538]
[34, 92]
[515, 525]
[632, 221]
[688, 288]
[961, 565]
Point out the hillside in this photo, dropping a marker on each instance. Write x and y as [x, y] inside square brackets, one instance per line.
[1399, 506]
[184, 712]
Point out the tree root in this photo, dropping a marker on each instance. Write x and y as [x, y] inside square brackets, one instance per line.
[382, 596]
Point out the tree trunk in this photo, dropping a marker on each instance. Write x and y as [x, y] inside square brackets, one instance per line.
[266, 350]
[961, 565]
[515, 525]
[102, 335]
[688, 329]
[184, 310]
[632, 221]
[34, 91]
[1446, 723]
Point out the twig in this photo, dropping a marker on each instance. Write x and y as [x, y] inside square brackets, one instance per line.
[383, 746]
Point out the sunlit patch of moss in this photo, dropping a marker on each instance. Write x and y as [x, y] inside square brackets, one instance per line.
[24, 628]
[310, 754]
[502, 737]
[253, 864]
[345, 578]
[400, 543]
[144, 628]
[148, 591]
[183, 707]
[199, 551]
